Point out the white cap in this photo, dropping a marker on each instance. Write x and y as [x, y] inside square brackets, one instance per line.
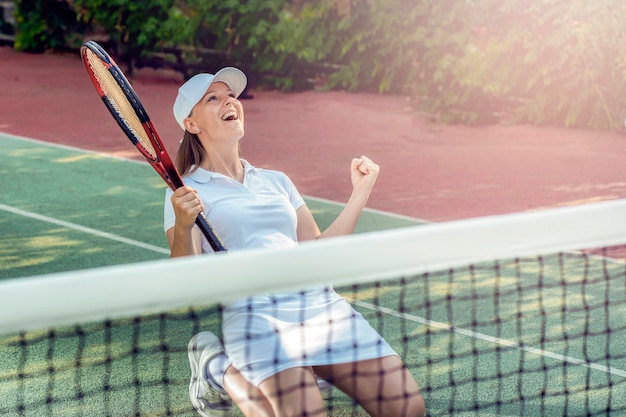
[190, 93]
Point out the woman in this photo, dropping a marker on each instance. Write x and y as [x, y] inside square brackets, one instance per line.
[261, 368]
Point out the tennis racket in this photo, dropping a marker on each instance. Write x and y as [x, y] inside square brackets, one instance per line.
[125, 107]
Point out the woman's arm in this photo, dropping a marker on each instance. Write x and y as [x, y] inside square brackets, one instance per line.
[184, 239]
[363, 173]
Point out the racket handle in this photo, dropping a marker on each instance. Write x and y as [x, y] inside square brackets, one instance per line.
[208, 232]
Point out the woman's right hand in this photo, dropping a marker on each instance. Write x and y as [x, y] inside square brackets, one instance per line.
[187, 205]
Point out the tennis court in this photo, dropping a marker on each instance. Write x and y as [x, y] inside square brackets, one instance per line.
[65, 209]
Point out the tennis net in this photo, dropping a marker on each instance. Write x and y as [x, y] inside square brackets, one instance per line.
[520, 314]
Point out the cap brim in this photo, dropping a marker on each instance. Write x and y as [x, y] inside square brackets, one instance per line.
[232, 77]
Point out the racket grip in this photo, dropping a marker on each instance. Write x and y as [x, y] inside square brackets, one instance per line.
[208, 232]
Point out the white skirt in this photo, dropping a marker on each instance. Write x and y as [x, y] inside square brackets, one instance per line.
[264, 335]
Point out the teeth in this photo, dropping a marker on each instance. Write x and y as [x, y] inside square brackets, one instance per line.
[230, 115]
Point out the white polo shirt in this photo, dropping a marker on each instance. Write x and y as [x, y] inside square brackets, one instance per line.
[258, 213]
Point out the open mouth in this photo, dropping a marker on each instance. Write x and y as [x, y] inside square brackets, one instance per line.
[231, 115]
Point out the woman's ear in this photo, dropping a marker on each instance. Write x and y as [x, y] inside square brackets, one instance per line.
[191, 126]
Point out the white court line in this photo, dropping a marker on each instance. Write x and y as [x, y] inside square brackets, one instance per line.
[494, 340]
[70, 148]
[84, 229]
[371, 210]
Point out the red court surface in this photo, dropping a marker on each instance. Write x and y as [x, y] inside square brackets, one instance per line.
[428, 171]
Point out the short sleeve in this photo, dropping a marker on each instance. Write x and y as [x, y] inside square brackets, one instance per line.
[293, 194]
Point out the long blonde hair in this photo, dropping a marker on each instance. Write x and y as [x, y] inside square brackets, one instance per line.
[190, 154]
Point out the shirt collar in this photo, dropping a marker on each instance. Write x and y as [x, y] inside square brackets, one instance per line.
[202, 175]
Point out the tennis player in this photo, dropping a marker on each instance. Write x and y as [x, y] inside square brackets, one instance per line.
[275, 346]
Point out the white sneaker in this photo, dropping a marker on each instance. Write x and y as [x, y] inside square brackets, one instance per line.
[326, 388]
[207, 399]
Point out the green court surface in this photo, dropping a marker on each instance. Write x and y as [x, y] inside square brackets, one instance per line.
[65, 209]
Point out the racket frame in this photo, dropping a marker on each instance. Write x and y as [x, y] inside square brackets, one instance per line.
[160, 161]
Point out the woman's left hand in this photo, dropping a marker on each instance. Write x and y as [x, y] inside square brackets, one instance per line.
[364, 173]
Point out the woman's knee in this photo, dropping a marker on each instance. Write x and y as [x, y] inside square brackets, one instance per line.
[416, 406]
[250, 400]
[384, 387]
[410, 405]
[294, 392]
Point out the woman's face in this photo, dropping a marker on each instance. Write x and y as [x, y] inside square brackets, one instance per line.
[218, 114]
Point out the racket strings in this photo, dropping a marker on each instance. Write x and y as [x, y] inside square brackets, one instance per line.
[119, 103]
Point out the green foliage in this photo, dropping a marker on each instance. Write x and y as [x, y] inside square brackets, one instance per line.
[519, 61]
[133, 26]
[541, 62]
[45, 24]
[240, 31]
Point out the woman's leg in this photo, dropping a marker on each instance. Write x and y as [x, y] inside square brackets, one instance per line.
[250, 400]
[384, 387]
[208, 396]
[294, 393]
